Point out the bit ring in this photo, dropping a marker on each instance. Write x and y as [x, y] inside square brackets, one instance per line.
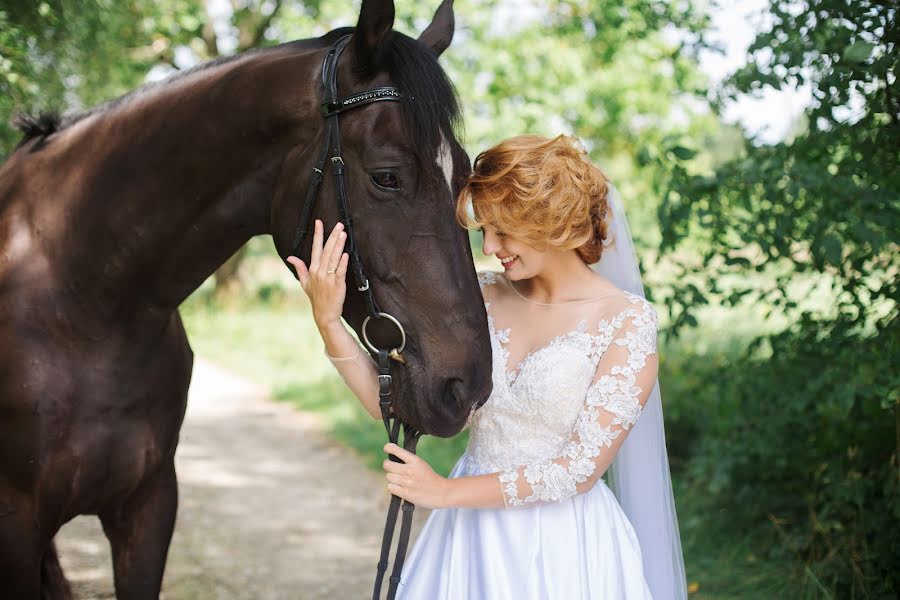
[384, 315]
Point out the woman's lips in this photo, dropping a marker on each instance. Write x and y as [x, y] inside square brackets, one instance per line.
[507, 265]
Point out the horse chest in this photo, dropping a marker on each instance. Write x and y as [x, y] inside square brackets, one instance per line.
[95, 418]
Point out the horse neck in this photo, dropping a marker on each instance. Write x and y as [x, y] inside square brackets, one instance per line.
[176, 181]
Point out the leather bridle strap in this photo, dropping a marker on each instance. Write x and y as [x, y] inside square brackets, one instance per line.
[410, 440]
[331, 146]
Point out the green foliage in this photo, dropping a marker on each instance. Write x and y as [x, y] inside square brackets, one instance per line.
[803, 455]
[802, 431]
[67, 55]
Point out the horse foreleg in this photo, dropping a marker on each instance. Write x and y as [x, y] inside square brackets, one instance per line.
[20, 555]
[139, 533]
[54, 585]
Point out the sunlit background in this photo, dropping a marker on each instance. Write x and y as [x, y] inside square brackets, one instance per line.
[756, 147]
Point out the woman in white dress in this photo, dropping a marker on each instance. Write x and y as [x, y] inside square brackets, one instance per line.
[525, 513]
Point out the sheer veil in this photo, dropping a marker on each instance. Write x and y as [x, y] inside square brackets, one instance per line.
[639, 475]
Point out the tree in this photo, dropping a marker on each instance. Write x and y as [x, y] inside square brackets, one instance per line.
[68, 54]
[772, 225]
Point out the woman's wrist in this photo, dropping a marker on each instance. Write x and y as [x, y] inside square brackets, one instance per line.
[335, 335]
[327, 325]
[448, 496]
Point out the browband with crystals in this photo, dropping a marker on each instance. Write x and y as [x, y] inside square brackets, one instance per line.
[341, 104]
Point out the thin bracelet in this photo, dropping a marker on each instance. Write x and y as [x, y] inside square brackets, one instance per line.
[342, 358]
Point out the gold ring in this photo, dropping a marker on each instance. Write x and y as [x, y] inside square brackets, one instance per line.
[332, 270]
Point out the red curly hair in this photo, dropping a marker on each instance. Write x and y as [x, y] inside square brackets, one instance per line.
[542, 191]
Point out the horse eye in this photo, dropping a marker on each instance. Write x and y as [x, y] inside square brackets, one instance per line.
[386, 180]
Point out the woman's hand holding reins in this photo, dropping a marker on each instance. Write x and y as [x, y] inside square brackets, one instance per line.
[414, 480]
[324, 281]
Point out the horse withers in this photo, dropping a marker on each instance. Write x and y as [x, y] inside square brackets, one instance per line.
[111, 218]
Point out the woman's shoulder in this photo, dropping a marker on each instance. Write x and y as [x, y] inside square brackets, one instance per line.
[488, 282]
[486, 277]
[613, 304]
[631, 309]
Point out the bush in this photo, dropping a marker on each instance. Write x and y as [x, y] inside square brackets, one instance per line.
[806, 442]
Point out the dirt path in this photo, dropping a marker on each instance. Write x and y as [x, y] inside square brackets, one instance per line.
[270, 508]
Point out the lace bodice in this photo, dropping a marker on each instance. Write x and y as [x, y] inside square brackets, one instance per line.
[555, 420]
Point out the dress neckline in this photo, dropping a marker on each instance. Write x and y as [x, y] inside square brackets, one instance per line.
[566, 303]
[510, 377]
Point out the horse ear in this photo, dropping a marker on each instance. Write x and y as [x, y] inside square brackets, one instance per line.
[376, 20]
[439, 34]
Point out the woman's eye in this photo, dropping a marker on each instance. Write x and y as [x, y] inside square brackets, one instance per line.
[386, 180]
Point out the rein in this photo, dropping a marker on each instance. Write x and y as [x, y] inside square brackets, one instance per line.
[331, 146]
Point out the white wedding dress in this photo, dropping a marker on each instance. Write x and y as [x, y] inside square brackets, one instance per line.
[550, 429]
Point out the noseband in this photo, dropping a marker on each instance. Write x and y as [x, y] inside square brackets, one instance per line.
[331, 146]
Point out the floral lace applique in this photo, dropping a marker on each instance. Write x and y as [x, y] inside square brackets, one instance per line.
[487, 278]
[610, 406]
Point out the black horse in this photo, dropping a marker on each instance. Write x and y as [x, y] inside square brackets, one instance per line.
[111, 218]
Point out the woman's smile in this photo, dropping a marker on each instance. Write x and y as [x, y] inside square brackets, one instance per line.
[508, 261]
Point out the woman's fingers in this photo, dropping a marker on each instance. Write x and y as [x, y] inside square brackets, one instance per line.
[394, 467]
[325, 262]
[335, 258]
[404, 455]
[398, 479]
[300, 267]
[316, 253]
[342, 265]
[397, 490]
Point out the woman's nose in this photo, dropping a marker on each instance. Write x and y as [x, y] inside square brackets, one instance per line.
[489, 245]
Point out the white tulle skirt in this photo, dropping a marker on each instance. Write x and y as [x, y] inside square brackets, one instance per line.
[583, 548]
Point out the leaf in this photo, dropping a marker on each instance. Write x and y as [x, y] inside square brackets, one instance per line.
[831, 246]
[683, 153]
[858, 52]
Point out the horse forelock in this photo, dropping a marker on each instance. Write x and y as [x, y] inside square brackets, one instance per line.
[430, 101]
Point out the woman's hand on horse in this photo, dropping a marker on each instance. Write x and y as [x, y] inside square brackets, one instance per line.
[414, 480]
[324, 281]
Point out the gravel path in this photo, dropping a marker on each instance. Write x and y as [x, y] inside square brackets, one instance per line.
[270, 507]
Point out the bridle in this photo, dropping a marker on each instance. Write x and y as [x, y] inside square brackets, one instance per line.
[331, 108]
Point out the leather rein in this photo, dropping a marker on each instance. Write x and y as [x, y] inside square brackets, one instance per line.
[331, 146]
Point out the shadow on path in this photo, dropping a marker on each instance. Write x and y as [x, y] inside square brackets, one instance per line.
[270, 507]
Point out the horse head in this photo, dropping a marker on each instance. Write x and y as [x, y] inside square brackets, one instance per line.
[403, 167]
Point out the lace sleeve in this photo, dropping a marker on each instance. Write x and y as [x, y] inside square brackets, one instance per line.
[625, 376]
[486, 278]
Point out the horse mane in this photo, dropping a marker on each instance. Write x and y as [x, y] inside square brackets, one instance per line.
[50, 122]
[39, 126]
[429, 97]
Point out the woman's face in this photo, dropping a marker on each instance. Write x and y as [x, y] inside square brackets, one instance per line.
[519, 260]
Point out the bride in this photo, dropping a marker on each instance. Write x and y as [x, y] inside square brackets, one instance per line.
[525, 512]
